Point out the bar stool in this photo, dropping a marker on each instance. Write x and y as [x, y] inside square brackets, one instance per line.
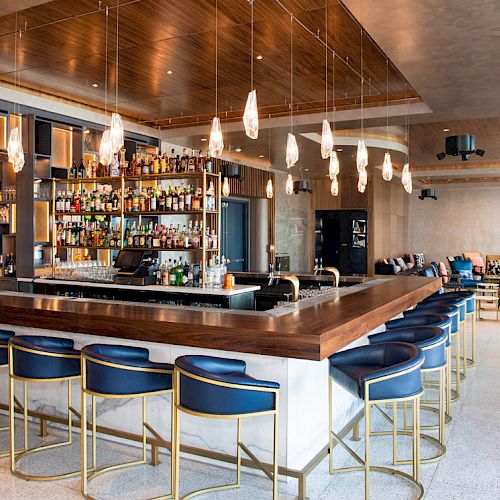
[5, 335]
[118, 371]
[378, 374]
[432, 341]
[211, 387]
[39, 359]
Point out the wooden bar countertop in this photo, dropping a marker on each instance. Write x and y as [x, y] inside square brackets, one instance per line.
[312, 333]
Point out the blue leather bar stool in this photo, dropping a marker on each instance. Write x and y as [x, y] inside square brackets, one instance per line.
[437, 320]
[470, 312]
[39, 359]
[432, 340]
[5, 335]
[211, 387]
[118, 371]
[377, 374]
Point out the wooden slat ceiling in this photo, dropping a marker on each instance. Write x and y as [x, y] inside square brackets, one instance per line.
[64, 59]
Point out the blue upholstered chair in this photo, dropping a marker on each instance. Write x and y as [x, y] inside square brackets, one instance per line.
[213, 387]
[433, 341]
[5, 335]
[118, 371]
[464, 272]
[39, 359]
[379, 373]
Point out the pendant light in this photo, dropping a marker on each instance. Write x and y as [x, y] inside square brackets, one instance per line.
[292, 150]
[116, 135]
[334, 166]
[106, 147]
[334, 189]
[251, 115]
[406, 177]
[269, 188]
[289, 184]
[15, 145]
[226, 191]
[387, 170]
[326, 132]
[216, 144]
[362, 154]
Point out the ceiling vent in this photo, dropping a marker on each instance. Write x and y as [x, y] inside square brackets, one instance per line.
[302, 186]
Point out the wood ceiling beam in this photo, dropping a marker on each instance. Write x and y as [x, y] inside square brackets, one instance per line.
[461, 180]
[456, 166]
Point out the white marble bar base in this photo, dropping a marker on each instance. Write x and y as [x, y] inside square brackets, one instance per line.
[303, 417]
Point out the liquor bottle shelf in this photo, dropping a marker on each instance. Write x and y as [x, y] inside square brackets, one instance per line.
[175, 175]
[160, 249]
[171, 212]
[89, 180]
[83, 247]
[116, 214]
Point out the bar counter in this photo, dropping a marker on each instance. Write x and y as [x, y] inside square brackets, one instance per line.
[288, 345]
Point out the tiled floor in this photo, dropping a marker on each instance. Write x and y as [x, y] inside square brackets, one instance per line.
[470, 469]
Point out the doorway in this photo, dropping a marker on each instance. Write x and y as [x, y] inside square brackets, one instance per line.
[235, 234]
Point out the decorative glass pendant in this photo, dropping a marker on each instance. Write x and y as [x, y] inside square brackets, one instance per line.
[362, 156]
[225, 188]
[292, 151]
[409, 184]
[334, 167]
[15, 150]
[269, 189]
[289, 184]
[387, 170]
[362, 180]
[251, 116]
[334, 189]
[406, 179]
[116, 134]
[326, 140]
[105, 149]
[216, 144]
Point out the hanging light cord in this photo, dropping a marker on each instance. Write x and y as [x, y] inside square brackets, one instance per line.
[362, 89]
[333, 92]
[216, 57]
[251, 50]
[387, 100]
[106, 68]
[407, 125]
[326, 59]
[15, 62]
[117, 52]
[291, 73]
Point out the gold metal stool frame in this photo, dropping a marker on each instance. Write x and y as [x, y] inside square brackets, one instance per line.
[4, 454]
[87, 474]
[365, 466]
[240, 446]
[441, 402]
[16, 455]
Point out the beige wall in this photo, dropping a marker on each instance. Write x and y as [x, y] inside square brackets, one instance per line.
[461, 220]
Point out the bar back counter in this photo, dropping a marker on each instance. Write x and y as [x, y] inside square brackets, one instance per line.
[288, 344]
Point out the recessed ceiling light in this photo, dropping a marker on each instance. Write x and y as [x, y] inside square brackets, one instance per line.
[261, 156]
[259, 57]
[446, 130]
[95, 85]
[238, 150]
[340, 150]
[306, 170]
[449, 180]
[203, 139]
[169, 72]
[86, 131]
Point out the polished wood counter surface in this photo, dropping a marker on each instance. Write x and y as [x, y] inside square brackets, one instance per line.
[313, 333]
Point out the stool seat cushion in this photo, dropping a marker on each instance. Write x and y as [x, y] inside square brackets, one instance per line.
[34, 364]
[468, 295]
[460, 302]
[437, 307]
[5, 335]
[432, 340]
[147, 376]
[428, 319]
[215, 399]
[354, 367]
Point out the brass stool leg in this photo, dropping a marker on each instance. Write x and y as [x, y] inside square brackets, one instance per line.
[25, 415]
[275, 453]
[474, 324]
[367, 447]
[83, 410]
[330, 419]
[464, 349]
[94, 434]
[457, 362]
[11, 415]
[394, 432]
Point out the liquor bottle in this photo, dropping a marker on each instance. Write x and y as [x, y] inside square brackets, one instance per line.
[188, 198]
[201, 162]
[135, 200]
[81, 171]
[162, 200]
[164, 164]
[88, 169]
[116, 202]
[67, 202]
[73, 171]
[175, 200]
[182, 198]
[156, 164]
[153, 201]
[58, 202]
[193, 163]
[196, 201]
[208, 163]
[6, 266]
[184, 165]
[172, 162]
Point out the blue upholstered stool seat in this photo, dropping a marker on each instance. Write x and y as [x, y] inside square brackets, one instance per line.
[104, 376]
[468, 295]
[354, 367]
[432, 340]
[39, 357]
[5, 335]
[459, 302]
[427, 319]
[214, 399]
[451, 311]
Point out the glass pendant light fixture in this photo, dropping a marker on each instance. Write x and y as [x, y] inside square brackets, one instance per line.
[225, 188]
[216, 143]
[289, 184]
[269, 189]
[116, 134]
[362, 154]
[334, 166]
[326, 132]
[334, 189]
[292, 150]
[251, 115]
[387, 170]
[105, 147]
[15, 150]
[406, 177]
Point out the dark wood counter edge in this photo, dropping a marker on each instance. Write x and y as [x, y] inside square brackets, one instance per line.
[313, 333]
